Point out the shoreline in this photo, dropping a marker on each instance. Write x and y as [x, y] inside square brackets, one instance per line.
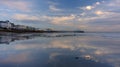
[38, 31]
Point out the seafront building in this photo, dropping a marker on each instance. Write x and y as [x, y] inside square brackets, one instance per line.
[11, 27]
[8, 25]
[5, 24]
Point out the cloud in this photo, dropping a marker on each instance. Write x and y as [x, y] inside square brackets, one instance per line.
[61, 19]
[99, 13]
[116, 3]
[100, 16]
[89, 7]
[97, 3]
[25, 17]
[19, 5]
[53, 8]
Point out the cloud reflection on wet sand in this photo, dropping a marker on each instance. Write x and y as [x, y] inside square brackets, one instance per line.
[52, 52]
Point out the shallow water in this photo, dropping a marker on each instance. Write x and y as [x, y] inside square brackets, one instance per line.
[60, 50]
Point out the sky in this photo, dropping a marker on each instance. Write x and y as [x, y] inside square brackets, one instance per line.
[88, 15]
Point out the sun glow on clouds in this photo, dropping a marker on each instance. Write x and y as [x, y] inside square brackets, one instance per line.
[99, 12]
[89, 7]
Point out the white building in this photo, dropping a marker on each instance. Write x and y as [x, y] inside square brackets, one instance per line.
[5, 24]
[20, 27]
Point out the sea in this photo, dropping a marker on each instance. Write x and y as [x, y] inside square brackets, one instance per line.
[59, 49]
